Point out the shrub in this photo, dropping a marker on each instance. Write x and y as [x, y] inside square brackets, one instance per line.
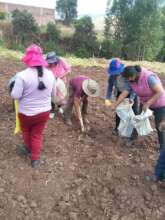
[84, 38]
[25, 28]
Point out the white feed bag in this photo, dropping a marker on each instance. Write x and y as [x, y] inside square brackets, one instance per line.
[60, 92]
[142, 123]
[129, 121]
[124, 110]
[125, 113]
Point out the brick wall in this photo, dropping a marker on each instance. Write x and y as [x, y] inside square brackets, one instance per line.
[41, 15]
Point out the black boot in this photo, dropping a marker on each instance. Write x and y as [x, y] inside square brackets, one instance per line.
[23, 151]
[35, 163]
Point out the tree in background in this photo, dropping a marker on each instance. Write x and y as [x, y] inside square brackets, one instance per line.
[52, 37]
[108, 20]
[143, 37]
[67, 10]
[135, 26]
[25, 28]
[84, 39]
[53, 32]
[116, 25]
[2, 15]
[161, 55]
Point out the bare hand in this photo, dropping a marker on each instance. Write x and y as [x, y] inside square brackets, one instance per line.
[82, 129]
[131, 101]
[108, 102]
[82, 125]
[86, 121]
[145, 107]
[113, 107]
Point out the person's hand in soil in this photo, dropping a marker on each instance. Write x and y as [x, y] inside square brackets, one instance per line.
[82, 125]
[85, 120]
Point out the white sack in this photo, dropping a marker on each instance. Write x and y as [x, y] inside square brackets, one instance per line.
[125, 113]
[142, 124]
[129, 121]
[59, 92]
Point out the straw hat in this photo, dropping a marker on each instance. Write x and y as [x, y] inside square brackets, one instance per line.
[91, 88]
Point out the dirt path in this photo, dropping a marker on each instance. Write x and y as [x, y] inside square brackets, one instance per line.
[91, 178]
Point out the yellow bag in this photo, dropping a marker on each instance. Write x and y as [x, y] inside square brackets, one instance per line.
[17, 121]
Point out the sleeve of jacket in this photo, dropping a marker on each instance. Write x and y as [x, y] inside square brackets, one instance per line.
[17, 90]
[110, 87]
[66, 66]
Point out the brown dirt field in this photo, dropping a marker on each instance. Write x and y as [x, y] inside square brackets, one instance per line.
[91, 177]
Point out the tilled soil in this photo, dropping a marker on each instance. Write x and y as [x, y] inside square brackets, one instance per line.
[82, 177]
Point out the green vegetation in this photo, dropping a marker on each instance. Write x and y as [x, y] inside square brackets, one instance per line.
[134, 29]
[67, 9]
[25, 28]
[135, 26]
[2, 15]
[10, 53]
[86, 62]
[84, 38]
[52, 38]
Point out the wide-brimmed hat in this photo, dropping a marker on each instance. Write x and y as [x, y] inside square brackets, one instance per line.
[116, 67]
[34, 56]
[52, 58]
[91, 87]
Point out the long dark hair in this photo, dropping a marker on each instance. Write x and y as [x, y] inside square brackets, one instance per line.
[130, 71]
[41, 85]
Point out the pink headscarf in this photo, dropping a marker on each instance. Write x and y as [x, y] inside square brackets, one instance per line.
[34, 56]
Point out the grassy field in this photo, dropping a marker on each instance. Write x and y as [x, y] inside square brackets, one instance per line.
[87, 62]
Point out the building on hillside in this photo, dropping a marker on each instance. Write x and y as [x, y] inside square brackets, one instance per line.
[41, 15]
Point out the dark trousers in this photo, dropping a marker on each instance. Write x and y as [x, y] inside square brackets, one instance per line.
[135, 108]
[70, 103]
[159, 114]
[54, 107]
[160, 165]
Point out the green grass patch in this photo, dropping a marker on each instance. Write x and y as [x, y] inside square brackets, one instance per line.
[87, 62]
[10, 53]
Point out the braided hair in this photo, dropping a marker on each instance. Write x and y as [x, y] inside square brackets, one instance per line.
[41, 85]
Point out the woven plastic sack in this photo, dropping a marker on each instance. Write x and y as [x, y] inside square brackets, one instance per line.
[126, 114]
[142, 124]
[59, 92]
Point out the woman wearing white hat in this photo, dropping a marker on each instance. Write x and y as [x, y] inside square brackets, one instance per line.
[80, 87]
